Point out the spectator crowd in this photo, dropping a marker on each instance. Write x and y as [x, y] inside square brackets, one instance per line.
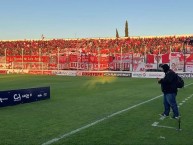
[88, 53]
[142, 45]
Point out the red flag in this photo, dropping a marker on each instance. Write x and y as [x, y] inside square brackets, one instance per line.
[150, 58]
[165, 58]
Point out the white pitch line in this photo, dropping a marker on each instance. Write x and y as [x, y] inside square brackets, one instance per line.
[180, 104]
[96, 122]
[162, 118]
[188, 85]
[100, 120]
[162, 126]
[155, 124]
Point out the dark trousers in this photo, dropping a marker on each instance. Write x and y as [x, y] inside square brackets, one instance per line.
[170, 102]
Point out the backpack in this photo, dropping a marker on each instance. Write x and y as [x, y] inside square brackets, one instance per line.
[180, 82]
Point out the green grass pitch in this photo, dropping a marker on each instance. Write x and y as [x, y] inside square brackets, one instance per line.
[77, 102]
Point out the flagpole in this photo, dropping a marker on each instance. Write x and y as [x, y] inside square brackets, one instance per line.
[68, 59]
[132, 57]
[158, 60]
[184, 51]
[88, 55]
[22, 58]
[58, 58]
[6, 57]
[98, 60]
[132, 61]
[121, 59]
[39, 58]
[77, 55]
[145, 57]
[170, 55]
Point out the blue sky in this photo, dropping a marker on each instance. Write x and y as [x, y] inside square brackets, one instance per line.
[29, 19]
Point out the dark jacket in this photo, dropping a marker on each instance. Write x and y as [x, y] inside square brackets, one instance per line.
[168, 83]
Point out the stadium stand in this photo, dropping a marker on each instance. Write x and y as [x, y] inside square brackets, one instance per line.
[94, 51]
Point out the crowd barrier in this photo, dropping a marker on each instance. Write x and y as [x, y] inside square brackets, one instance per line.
[20, 96]
[96, 73]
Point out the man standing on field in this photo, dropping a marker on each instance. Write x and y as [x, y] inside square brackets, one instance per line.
[169, 89]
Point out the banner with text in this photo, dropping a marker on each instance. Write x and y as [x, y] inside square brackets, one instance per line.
[14, 97]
